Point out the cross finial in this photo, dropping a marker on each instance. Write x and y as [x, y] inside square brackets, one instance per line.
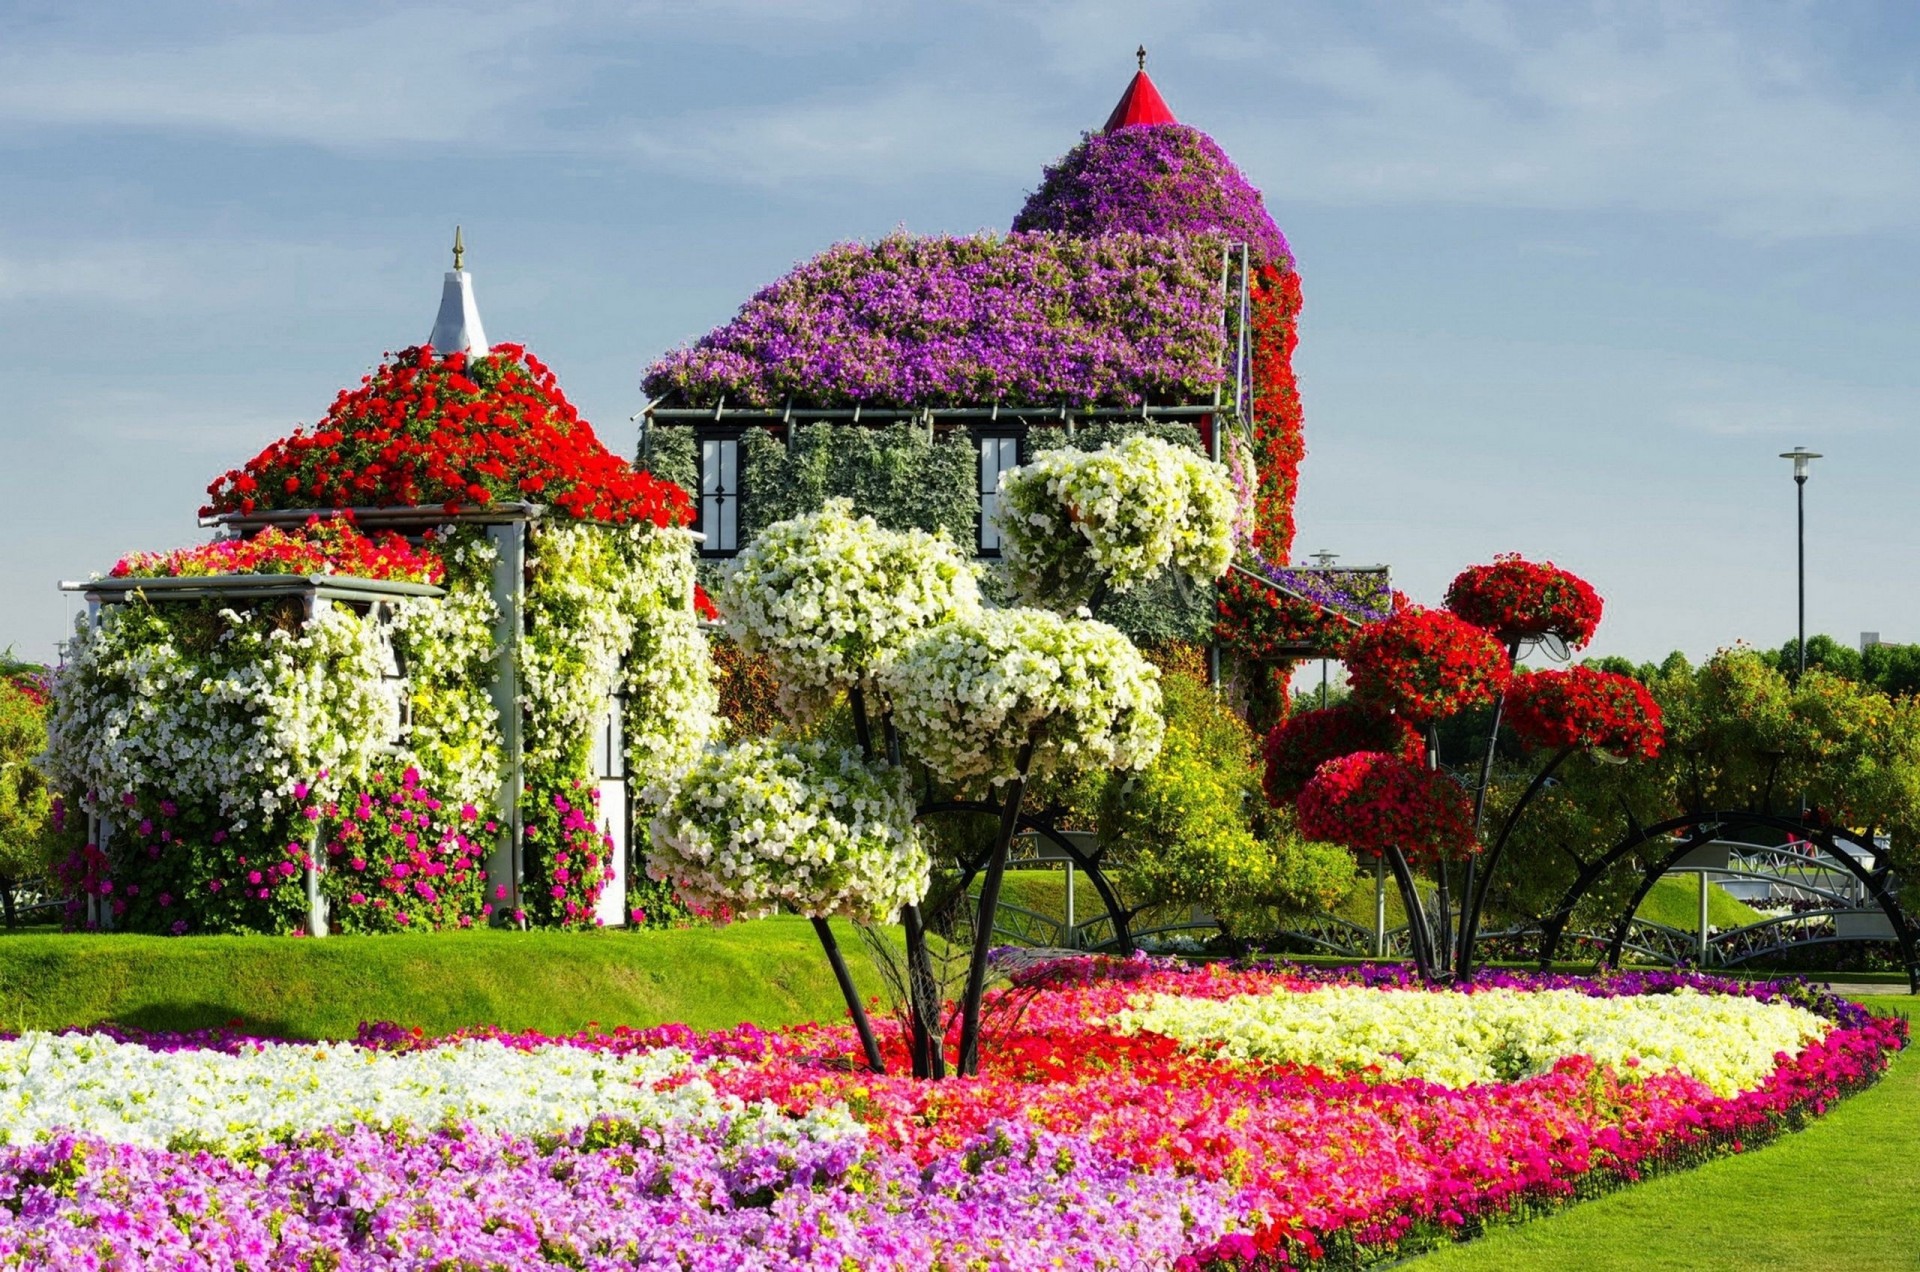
[459, 249]
[1141, 54]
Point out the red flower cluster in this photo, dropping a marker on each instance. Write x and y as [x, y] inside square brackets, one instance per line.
[703, 605]
[1300, 744]
[452, 431]
[1265, 625]
[1275, 300]
[1516, 600]
[1371, 801]
[1424, 664]
[325, 545]
[1585, 707]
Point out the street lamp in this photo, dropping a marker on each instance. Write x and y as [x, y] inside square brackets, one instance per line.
[1802, 460]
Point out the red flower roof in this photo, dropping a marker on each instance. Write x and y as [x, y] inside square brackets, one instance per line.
[1140, 104]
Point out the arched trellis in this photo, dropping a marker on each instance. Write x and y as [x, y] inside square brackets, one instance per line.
[1696, 831]
[1089, 862]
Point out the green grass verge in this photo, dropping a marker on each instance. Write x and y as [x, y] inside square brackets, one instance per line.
[1843, 1195]
[769, 971]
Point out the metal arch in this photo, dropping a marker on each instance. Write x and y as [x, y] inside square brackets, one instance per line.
[1707, 828]
[1117, 914]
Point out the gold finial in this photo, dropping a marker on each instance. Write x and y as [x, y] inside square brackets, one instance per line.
[459, 249]
[1141, 53]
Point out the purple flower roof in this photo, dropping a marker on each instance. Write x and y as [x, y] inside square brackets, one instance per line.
[1162, 179]
[1024, 319]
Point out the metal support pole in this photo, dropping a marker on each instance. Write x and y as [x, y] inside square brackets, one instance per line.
[969, 1062]
[316, 904]
[505, 866]
[868, 1045]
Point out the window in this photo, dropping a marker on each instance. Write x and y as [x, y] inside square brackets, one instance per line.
[997, 455]
[720, 495]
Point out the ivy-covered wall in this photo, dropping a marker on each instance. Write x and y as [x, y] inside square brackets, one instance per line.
[904, 478]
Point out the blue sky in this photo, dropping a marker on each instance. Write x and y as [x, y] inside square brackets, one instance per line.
[1574, 274]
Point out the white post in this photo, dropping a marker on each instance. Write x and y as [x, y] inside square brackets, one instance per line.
[1380, 907]
[316, 904]
[1704, 885]
[1070, 895]
[509, 594]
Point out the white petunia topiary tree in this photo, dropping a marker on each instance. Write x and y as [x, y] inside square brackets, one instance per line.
[893, 621]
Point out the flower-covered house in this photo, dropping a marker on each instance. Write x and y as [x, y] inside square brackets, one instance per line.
[1143, 287]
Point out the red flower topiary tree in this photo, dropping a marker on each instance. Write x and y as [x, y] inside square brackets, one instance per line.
[1354, 778]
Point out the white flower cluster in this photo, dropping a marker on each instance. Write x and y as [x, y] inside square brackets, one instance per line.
[808, 825]
[830, 598]
[969, 695]
[672, 703]
[1073, 520]
[581, 610]
[131, 1094]
[1726, 1041]
[236, 716]
[447, 652]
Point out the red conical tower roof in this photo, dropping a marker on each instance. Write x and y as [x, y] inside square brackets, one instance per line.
[1141, 103]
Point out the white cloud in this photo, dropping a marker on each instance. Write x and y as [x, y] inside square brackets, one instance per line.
[399, 78]
[1620, 108]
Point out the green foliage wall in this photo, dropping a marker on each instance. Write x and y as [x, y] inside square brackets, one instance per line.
[903, 478]
[898, 475]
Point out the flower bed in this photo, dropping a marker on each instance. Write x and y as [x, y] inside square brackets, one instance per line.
[1132, 1115]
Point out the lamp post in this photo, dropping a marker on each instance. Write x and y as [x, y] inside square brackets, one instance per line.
[1802, 461]
[1324, 559]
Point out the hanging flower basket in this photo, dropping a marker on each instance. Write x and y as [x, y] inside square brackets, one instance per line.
[1519, 600]
[1425, 664]
[1586, 707]
[1371, 801]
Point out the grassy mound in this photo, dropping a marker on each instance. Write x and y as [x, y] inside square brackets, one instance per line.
[770, 971]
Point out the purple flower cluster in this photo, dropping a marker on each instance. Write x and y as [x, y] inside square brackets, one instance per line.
[1362, 595]
[1159, 179]
[613, 1195]
[1026, 319]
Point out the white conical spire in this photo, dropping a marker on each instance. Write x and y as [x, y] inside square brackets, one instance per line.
[457, 329]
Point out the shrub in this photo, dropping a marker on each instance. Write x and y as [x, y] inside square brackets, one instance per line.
[1193, 829]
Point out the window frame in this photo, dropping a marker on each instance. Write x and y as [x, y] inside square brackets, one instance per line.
[725, 436]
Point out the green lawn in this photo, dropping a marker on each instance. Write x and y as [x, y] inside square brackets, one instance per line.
[769, 971]
[1841, 1196]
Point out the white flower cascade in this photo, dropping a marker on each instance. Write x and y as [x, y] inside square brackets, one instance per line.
[809, 825]
[1072, 520]
[969, 695]
[830, 598]
[238, 726]
[672, 703]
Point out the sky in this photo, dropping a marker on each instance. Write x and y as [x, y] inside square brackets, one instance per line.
[1574, 274]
